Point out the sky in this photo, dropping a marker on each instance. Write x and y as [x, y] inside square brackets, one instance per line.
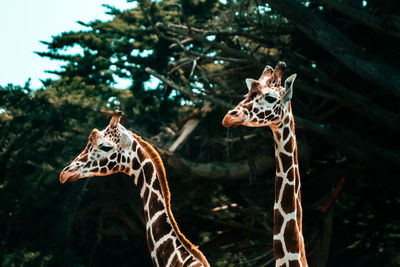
[23, 24]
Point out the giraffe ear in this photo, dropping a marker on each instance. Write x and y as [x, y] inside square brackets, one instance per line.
[249, 82]
[126, 140]
[94, 135]
[287, 95]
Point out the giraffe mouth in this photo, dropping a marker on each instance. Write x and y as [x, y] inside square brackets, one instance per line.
[233, 120]
[66, 176]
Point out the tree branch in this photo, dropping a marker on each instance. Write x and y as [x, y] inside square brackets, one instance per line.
[216, 170]
[338, 45]
[183, 30]
[186, 91]
[372, 22]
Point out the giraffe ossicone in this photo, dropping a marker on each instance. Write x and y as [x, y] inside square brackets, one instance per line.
[116, 149]
[268, 104]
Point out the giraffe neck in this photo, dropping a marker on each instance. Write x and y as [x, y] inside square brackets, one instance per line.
[167, 245]
[289, 249]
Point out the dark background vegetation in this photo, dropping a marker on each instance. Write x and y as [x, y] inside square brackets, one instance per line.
[346, 103]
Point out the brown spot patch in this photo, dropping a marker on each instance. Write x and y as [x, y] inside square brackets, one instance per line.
[111, 165]
[123, 159]
[286, 121]
[148, 172]
[285, 133]
[291, 236]
[113, 155]
[103, 170]
[278, 221]
[103, 162]
[140, 180]
[286, 161]
[164, 251]
[289, 145]
[248, 106]
[156, 185]
[94, 170]
[84, 158]
[141, 154]
[155, 205]
[288, 202]
[135, 164]
[294, 264]
[161, 227]
[119, 158]
[278, 249]
[290, 175]
[134, 146]
[94, 163]
[256, 110]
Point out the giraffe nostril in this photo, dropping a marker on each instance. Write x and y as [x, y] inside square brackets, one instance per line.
[233, 112]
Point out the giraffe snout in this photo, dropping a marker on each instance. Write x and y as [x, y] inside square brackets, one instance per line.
[233, 118]
[67, 176]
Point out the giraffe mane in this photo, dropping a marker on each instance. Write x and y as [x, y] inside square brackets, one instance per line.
[162, 177]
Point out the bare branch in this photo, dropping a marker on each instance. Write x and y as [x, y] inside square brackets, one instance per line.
[186, 91]
[375, 23]
[338, 45]
[216, 170]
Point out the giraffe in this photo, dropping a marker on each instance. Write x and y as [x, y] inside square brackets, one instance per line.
[268, 104]
[116, 149]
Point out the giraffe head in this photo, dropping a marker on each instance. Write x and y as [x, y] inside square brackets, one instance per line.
[106, 152]
[267, 101]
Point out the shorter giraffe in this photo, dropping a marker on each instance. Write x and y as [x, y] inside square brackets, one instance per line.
[116, 149]
[268, 104]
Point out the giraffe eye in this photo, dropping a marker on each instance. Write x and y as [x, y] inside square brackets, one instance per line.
[270, 99]
[105, 148]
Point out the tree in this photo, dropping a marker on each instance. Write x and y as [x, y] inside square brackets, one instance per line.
[221, 180]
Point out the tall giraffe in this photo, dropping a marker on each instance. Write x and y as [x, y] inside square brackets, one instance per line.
[116, 149]
[268, 104]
